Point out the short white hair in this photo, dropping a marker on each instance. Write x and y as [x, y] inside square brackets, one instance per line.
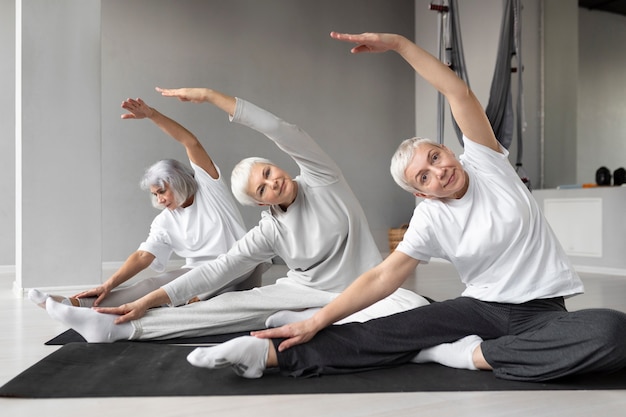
[403, 157]
[240, 179]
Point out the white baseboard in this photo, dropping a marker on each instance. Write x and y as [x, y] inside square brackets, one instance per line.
[7, 270]
[601, 270]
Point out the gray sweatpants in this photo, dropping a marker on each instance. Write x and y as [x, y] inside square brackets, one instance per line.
[130, 293]
[534, 341]
[239, 311]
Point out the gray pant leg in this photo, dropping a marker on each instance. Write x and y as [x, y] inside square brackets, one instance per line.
[246, 282]
[228, 313]
[565, 343]
[123, 295]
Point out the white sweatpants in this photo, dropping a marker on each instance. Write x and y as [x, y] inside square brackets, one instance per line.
[240, 311]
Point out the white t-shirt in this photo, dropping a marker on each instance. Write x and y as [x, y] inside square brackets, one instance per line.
[323, 237]
[496, 236]
[200, 232]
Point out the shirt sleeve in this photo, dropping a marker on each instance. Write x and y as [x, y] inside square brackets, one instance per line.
[158, 244]
[313, 162]
[419, 242]
[486, 161]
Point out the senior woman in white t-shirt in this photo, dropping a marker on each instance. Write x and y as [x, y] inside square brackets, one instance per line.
[199, 221]
[477, 214]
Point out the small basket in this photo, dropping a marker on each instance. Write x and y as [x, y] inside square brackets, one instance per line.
[396, 235]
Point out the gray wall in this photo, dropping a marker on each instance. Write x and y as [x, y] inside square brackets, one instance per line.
[601, 118]
[480, 27]
[560, 92]
[58, 152]
[281, 57]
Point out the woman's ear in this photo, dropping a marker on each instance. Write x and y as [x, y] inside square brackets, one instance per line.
[421, 195]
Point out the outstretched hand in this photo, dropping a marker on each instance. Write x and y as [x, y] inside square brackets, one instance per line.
[293, 333]
[195, 95]
[126, 312]
[369, 42]
[137, 109]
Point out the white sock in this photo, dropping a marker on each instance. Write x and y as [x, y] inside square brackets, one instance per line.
[455, 355]
[93, 326]
[40, 298]
[246, 354]
[280, 318]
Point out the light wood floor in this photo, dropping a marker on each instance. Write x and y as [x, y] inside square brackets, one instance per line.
[24, 328]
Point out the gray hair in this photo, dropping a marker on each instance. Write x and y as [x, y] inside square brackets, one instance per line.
[402, 158]
[179, 177]
[240, 178]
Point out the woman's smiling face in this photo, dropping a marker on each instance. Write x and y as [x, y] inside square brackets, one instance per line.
[436, 173]
[269, 185]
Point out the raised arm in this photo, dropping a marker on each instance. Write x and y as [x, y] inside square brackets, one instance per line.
[138, 109]
[309, 156]
[135, 263]
[467, 110]
[370, 287]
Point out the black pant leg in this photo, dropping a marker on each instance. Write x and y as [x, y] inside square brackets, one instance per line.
[561, 343]
[393, 340]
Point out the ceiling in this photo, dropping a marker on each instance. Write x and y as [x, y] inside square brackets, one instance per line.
[611, 6]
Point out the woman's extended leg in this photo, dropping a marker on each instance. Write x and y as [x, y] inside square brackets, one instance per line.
[393, 340]
[130, 293]
[227, 313]
[353, 347]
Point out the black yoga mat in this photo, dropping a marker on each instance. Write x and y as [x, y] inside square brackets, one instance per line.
[71, 336]
[147, 369]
